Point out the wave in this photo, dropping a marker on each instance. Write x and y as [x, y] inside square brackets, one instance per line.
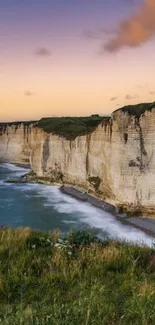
[7, 200]
[70, 222]
[13, 170]
[13, 167]
[80, 212]
[87, 214]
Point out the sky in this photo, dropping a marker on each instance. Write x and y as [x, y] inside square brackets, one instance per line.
[75, 57]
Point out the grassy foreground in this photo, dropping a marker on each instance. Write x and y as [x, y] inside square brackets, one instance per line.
[77, 280]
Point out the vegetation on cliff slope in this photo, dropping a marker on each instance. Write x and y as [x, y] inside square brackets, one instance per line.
[48, 279]
[16, 123]
[5, 125]
[70, 127]
[137, 110]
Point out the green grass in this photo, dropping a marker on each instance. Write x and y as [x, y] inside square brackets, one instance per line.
[71, 127]
[67, 127]
[79, 281]
[138, 110]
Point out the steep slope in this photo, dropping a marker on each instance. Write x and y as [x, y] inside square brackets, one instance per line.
[115, 160]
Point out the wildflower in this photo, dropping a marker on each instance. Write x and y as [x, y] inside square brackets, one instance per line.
[48, 316]
[66, 242]
[60, 240]
[58, 245]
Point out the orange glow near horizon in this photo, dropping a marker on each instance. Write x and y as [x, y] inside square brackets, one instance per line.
[49, 68]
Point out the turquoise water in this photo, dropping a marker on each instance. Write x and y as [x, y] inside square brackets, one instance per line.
[45, 207]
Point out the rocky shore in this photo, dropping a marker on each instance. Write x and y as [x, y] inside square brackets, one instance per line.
[85, 197]
[30, 177]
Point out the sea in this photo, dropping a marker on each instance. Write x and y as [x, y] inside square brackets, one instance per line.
[44, 207]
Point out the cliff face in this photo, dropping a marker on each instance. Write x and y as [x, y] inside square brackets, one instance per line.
[116, 160]
[15, 143]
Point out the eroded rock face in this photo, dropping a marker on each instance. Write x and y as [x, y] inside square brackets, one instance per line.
[116, 161]
[135, 167]
[15, 143]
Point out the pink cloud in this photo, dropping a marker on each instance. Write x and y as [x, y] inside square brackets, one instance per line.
[136, 30]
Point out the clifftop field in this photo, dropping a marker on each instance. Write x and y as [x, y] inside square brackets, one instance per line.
[46, 278]
[67, 127]
[70, 127]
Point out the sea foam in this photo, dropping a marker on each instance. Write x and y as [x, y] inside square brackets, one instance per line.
[80, 212]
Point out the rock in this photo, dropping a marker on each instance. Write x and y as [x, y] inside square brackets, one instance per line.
[115, 162]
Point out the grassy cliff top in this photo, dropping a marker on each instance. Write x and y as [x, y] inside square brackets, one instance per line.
[137, 110]
[67, 127]
[46, 278]
[70, 127]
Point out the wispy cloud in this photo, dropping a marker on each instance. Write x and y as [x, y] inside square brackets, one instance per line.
[134, 31]
[28, 93]
[113, 98]
[97, 33]
[42, 51]
[152, 92]
[142, 86]
[129, 97]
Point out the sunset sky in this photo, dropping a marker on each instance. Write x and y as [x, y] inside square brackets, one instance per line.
[75, 57]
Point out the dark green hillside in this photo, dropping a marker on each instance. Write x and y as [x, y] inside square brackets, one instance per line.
[70, 127]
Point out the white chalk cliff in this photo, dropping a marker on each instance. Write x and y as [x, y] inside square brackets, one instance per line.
[116, 160]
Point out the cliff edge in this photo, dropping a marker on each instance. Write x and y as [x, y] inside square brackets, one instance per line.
[112, 157]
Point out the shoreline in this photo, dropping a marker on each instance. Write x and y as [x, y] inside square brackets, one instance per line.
[147, 225]
[26, 166]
